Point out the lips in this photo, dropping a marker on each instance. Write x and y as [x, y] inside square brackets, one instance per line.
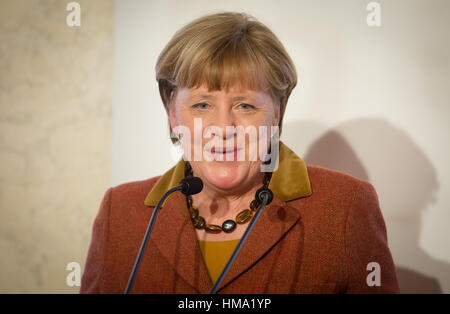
[224, 150]
[224, 154]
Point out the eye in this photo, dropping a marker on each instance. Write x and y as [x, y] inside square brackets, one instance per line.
[246, 106]
[201, 105]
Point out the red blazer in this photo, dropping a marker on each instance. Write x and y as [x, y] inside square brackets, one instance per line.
[318, 235]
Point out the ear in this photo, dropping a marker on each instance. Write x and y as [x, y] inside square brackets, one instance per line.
[171, 110]
[172, 118]
[276, 116]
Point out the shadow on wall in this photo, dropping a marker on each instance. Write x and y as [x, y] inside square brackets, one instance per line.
[406, 185]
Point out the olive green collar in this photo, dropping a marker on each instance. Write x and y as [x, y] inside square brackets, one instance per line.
[289, 181]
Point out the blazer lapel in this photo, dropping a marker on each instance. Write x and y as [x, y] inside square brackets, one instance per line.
[273, 223]
[176, 239]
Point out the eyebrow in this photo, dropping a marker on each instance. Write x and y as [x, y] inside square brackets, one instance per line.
[207, 96]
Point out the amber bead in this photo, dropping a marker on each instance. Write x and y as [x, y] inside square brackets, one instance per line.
[244, 216]
[199, 222]
[254, 205]
[228, 226]
[194, 212]
[213, 228]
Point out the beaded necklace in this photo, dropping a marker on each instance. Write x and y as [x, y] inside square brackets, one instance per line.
[228, 225]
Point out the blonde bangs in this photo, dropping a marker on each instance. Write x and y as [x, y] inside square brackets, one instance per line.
[222, 69]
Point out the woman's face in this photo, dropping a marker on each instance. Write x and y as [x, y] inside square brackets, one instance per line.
[219, 151]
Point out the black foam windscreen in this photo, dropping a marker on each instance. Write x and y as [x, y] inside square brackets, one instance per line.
[191, 185]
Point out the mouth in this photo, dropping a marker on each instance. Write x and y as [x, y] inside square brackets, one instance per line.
[225, 150]
[226, 153]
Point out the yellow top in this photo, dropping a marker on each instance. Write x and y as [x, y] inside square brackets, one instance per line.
[216, 255]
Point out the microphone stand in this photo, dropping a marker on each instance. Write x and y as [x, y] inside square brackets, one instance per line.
[146, 237]
[267, 198]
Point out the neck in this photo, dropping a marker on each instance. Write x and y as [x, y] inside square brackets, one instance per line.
[214, 204]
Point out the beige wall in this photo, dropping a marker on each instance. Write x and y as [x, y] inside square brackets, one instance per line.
[55, 138]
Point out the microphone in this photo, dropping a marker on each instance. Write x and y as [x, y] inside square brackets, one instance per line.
[188, 186]
[264, 195]
[191, 185]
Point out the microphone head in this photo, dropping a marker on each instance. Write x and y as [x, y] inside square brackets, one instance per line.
[261, 193]
[191, 185]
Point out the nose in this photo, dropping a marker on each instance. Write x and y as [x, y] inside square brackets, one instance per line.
[226, 121]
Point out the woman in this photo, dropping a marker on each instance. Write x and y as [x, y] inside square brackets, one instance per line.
[227, 77]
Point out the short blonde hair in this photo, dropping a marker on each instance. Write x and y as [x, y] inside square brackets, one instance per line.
[222, 50]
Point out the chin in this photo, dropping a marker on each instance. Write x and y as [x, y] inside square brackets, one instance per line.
[226, 175]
